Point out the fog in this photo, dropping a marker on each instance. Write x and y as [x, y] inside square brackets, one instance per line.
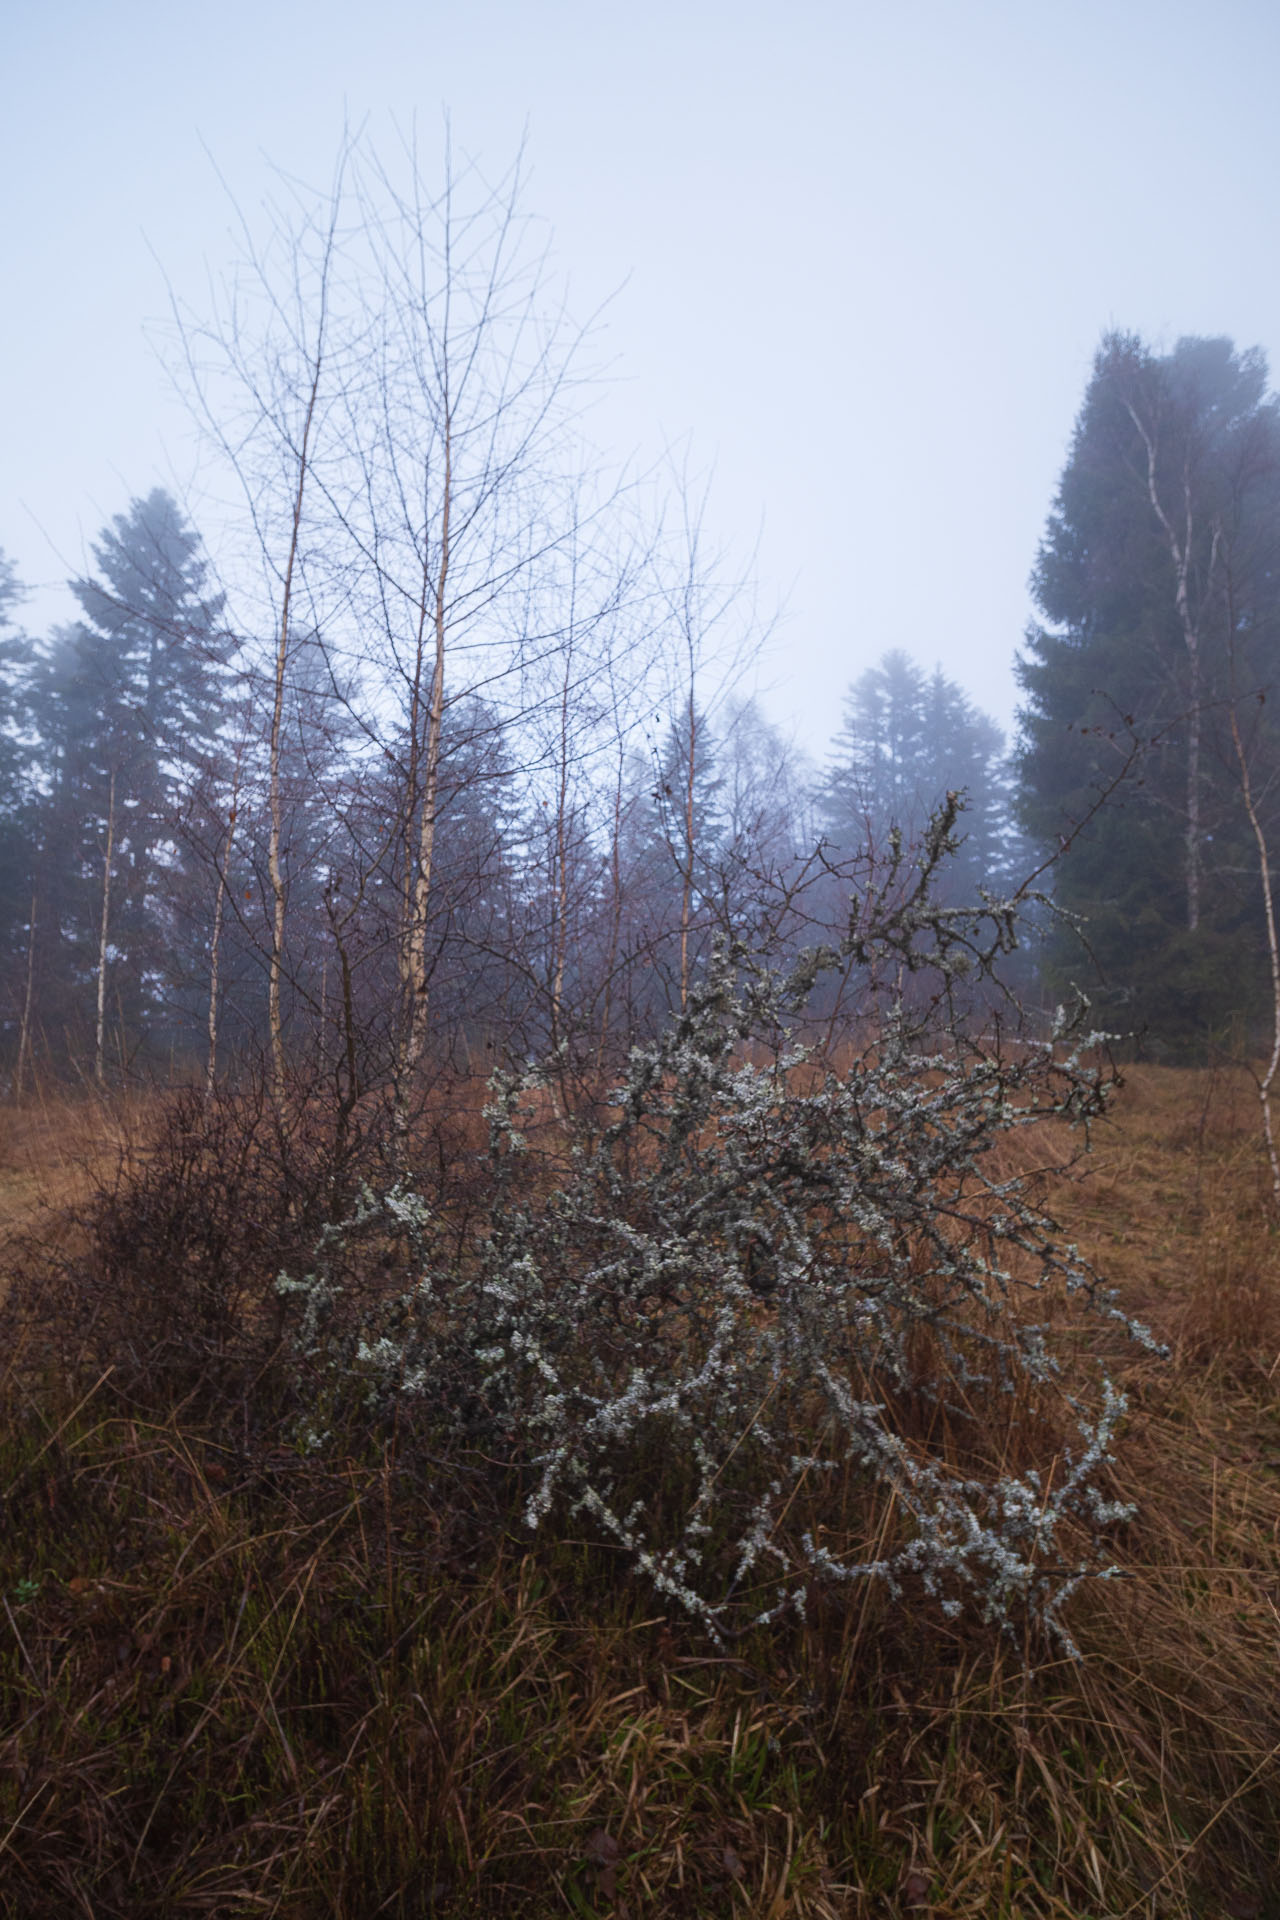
[854, 261]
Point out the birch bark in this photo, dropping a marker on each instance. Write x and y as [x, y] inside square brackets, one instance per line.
[104, 929]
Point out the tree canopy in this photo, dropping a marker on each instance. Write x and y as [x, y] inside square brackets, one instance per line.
[1159, 589]
[908, 739]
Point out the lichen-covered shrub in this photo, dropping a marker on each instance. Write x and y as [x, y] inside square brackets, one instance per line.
[743, 1277]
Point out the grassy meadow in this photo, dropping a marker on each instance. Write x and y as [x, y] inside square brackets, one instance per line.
[240, 1679]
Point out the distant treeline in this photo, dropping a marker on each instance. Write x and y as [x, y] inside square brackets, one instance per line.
[458, 769]
[581, 863]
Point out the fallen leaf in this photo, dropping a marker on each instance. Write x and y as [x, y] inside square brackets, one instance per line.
[601, 1849]
[602, 1852]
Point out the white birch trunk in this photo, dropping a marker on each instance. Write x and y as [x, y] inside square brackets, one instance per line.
[100, 1032]
[1180, 553]
[215, 950]
[24, 1031]
[686, 893]
[416, 966]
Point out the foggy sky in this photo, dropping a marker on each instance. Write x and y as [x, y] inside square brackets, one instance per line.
[860, 255]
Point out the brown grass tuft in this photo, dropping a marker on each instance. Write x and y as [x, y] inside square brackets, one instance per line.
[239, 1680]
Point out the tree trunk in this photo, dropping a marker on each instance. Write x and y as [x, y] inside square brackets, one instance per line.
[215, 948]
[304, 457]
[1268, 1080]
[615, 919]
[1180, 554]
[415, 970]
[99, 1047]
[560, 907]
[1267, 1083]
[24, 1031]
[686, 876]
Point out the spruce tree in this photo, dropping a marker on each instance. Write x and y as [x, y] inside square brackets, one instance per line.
[908, 739]
[1158, 585]
[129, 703]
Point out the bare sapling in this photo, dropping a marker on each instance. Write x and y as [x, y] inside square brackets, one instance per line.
[222, 861]
[260, 375]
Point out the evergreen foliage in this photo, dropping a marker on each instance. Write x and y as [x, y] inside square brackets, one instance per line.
[15, 751]
[128, 704]
[1127, 681]
[907, 740]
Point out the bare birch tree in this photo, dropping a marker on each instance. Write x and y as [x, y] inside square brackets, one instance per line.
[466, 499]
[261, 372]
[398, 387]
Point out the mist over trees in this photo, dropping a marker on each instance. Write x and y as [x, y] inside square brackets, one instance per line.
[454, 760]
[590, 1320]
[1159, 585]
[583, 862]
[13, 662]
[909, 738]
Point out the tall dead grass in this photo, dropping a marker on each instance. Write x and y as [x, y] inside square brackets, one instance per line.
[238, 1679]
[59, 1141]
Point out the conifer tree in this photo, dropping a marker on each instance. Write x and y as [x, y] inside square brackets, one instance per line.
[1160, 593]
[672, 862]
[128, 703]
[15, 862]
[909, 739]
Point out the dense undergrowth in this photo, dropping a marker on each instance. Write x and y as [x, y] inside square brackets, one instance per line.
[239, 1677]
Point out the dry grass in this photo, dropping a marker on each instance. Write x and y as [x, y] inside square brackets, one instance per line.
[56, 1144]
[237, 1681]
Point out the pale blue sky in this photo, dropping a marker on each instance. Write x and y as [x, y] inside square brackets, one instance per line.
[864, 253]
